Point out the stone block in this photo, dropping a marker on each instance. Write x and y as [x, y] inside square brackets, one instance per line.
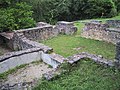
[67, 28]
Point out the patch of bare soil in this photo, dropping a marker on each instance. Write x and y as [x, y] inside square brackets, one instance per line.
[28, 74]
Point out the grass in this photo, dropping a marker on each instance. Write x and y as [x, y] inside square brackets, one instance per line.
[5, 74]
[11, 71]
[86, 75]
[65, 46]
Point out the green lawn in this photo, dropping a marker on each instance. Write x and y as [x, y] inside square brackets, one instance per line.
[86, 75]
[65, 46]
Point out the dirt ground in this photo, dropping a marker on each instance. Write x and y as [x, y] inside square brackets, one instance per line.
[28, 74]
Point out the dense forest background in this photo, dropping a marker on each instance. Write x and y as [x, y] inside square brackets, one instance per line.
[18, 14]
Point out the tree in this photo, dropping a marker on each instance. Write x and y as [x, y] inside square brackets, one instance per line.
[15, 15]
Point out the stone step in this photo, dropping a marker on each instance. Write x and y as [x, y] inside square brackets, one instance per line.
[53, 59]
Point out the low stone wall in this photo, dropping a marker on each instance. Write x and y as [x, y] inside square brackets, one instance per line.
[113, 23]
[53, 59]
[96, 58]
[39, 33]
[101, 32]
[25, 40]
[20, 42]
[67, 28]
[44, 31]
[118, 53]
[81, 56]
[13, 59]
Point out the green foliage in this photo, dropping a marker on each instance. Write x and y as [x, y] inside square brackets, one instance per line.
[117, 3]
[69, 10]
[7, 20]
[15, 16]
[82, 9]
[86, 75]
[65, 67]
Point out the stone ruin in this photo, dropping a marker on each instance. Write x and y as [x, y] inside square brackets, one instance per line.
[28, 49]
[109, 31]
[103, 32]
[114, 23]
[118, 53]
[26, 43]
[66, 28]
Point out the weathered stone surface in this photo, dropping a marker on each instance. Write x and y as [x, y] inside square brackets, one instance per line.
[97, 58]
[18, 86]
[24, 38]
[11, 60]
[67, 28]
[53, 59]
[47, 59]
[20, 42]
[101, 32]
[118, 53]
[96, 21]
[41, 24]
[113, 23]
[38, 33]
[57, 58]
[81, 56]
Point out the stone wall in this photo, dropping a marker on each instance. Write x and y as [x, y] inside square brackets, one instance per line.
[39, 33]
[67, 28]
[20, 42]
[44, 31]
[28, 50]
[81, 56]
[113, 23]
[13, 59]
[99, 31]
[118, 53]
[26, 38]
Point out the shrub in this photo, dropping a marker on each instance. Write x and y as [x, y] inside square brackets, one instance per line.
[7, 20]
[117, 3]
[82, 9]
[16, 16]
[69, 10]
